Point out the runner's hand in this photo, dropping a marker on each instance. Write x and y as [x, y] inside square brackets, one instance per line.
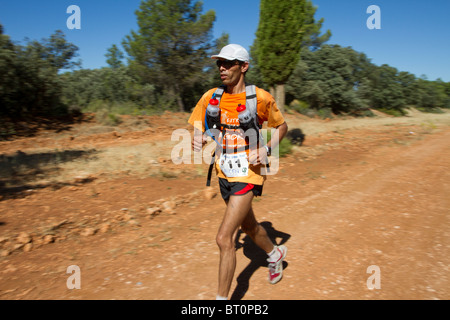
[258, 156]
[198, 142]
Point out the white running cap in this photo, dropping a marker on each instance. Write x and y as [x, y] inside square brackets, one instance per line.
[233, 52]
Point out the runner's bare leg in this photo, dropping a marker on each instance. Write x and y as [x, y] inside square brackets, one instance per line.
[256, 232]
[239, 212]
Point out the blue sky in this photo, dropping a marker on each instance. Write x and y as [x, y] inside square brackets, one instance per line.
[414, 35]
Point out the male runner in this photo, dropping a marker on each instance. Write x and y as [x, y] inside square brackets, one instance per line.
[237, 191]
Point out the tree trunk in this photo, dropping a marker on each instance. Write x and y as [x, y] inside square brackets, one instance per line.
[175, 96]
[180, 103]
[272, 91]
[179, 98]
[280, 96]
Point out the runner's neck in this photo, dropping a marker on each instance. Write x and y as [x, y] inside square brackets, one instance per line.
[236, 89]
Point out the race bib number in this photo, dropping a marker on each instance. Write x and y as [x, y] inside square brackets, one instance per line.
[234, 165]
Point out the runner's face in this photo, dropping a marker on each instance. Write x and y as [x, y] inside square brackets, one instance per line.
[230, 72]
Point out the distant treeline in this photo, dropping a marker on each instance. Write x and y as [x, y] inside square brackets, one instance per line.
[341, 80]
[331, 79]
[29, 81]
[169, 69]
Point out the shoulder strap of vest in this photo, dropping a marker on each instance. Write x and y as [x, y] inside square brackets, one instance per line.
[251, 99]
[219, 92]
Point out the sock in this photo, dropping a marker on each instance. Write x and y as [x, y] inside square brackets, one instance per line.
[274, 255]
[221, 298]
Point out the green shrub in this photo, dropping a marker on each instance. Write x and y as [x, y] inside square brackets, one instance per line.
[430, 110]
[107, 118]
[325, 113]
[393, 112]
[300, 107]
[283, 149]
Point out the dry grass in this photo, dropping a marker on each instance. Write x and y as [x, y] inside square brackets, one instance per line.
[55, 167]
[313, 127]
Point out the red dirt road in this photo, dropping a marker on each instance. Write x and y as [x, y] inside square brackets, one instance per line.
[346, 200]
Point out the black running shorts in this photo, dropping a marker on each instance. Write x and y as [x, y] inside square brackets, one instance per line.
[228, 189]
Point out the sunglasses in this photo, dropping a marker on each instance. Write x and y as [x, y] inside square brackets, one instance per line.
[227, 64]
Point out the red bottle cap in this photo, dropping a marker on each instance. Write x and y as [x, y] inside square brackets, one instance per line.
[240, 108]
[214, 102]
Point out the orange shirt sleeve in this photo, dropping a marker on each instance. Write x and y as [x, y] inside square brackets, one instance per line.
[268, 109]
[198, 114]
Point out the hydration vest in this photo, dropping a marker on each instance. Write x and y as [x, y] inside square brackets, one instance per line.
[251, 104]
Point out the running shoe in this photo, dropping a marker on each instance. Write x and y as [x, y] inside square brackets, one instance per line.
[276, 268]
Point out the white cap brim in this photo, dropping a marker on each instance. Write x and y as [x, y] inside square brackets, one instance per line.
[219, 56]
[233, 52]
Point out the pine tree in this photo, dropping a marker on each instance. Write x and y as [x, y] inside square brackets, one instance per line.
[114, 57]
[312, 28]
[172, 45]
[278, 42]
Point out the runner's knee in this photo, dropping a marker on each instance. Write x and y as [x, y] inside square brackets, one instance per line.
[225, 241]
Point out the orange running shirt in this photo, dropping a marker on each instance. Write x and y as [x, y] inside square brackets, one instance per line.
[267, 111]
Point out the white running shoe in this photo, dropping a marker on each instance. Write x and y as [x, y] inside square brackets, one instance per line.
[276, 268]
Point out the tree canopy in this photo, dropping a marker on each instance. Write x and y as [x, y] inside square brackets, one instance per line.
[278, 42]
[30, 84]
[166, 65]
[171, 46]
[345, 81]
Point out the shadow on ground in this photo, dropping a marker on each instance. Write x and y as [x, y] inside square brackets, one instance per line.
[18, 171]
[257, 256]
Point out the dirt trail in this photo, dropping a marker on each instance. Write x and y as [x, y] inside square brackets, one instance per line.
[355, 195]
